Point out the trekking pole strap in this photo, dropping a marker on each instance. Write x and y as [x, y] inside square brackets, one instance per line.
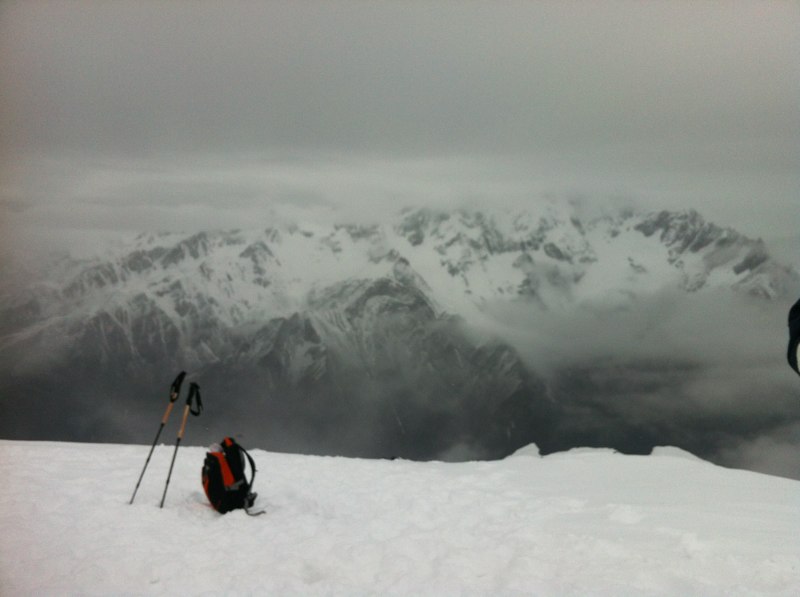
[194, 401]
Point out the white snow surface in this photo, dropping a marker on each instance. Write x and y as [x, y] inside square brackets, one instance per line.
[584, 522]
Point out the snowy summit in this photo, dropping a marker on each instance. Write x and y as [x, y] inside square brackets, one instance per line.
[585, 522]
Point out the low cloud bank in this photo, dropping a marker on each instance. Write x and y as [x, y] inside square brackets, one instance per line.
[704, 371]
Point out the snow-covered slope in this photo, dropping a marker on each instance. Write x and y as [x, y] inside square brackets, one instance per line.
[586, 522]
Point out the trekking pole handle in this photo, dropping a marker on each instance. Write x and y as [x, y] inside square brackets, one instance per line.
[174, 392]
[167, 412]
[175, 388]
[183, 422]
[194, 396]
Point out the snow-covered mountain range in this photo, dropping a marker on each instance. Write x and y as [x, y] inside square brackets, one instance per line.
[346, 338]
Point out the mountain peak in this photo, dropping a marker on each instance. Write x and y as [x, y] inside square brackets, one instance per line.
[460, 259]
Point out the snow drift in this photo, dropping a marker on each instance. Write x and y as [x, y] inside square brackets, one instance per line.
[585, 522]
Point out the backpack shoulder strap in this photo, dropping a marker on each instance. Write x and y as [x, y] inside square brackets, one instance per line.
[229, 442]
[252, 467]
[250, 484]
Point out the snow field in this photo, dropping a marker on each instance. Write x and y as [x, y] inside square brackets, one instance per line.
[585, 522]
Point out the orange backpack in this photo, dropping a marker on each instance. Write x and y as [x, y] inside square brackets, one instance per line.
[224, 480]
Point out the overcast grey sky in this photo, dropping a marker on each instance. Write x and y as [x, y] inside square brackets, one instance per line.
[141, 115]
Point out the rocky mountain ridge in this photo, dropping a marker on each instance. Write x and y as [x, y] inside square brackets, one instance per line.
[344, 338]
[251, 274]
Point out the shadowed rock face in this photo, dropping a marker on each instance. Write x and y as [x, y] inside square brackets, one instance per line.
[380, 374]
[369, 370]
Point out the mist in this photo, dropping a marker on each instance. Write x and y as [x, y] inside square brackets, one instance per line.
[129, 116]
[703, 371]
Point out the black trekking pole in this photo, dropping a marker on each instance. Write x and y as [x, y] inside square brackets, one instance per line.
[194, 390]
[174, 390]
